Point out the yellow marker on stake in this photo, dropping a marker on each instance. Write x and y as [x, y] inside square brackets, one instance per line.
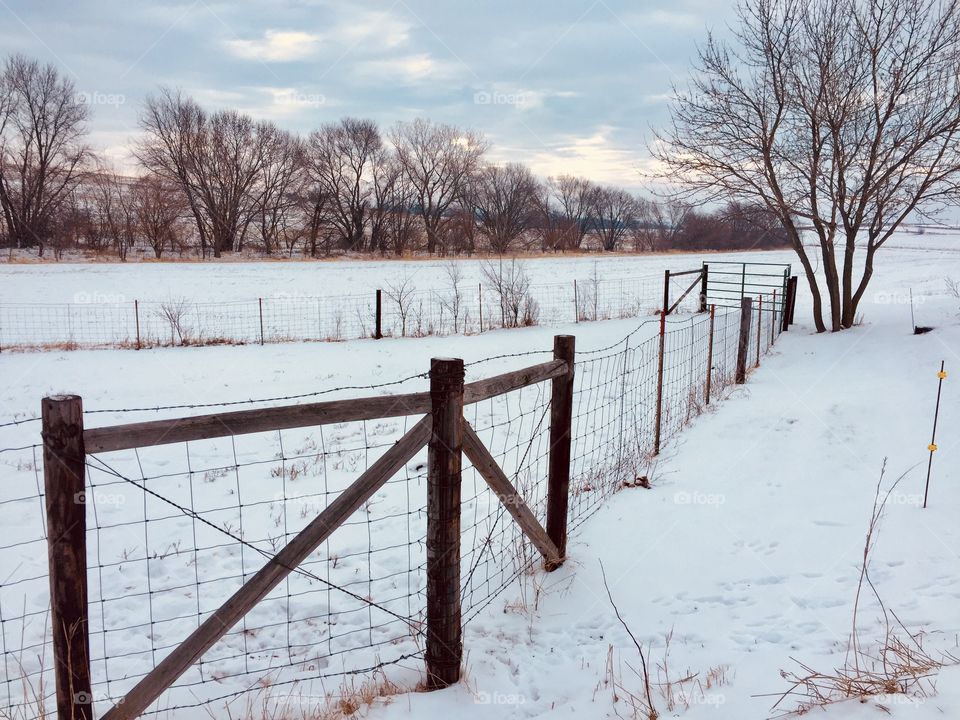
[932, 447]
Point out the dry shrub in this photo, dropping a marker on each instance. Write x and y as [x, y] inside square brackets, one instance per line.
[898, 664]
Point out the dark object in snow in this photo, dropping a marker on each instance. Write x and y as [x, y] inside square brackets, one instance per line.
[921, 329]
[642, 481]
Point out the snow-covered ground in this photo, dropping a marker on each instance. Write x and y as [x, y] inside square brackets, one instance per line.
[746, 548]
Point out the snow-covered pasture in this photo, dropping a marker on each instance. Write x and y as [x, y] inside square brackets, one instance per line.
[746, 546]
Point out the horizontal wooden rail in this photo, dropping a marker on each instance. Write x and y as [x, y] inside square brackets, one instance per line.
[245, 422]
[501, 384]
[270, 575]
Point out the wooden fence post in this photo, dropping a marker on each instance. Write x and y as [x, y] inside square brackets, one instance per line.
[713, 312]
[666, 291]
[743, 342]
[64, 463]
[444, 651]
[657, 425]
[136, 317]
[793, 297]
[561, 419]
[378, 332]
[703, 288]
[759, 327]
[260, 304]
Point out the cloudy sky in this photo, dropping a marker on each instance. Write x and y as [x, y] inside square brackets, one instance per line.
[568, 87]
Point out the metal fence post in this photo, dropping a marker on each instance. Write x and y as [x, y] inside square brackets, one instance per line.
[260, 305]
[576, 302]
[743, 342]
[378, 332]
[444, 651]
[561, 419]
[657, 426]
[64, 465]
[136, 317]
[713, 312]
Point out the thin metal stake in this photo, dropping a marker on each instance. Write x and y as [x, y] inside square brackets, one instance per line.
[932, 447]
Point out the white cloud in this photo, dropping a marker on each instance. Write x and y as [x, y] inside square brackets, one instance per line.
[277, 46]
[406, 69]
[596, 156]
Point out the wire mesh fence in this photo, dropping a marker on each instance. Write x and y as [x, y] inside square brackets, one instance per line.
[459, 308]
[173, 530]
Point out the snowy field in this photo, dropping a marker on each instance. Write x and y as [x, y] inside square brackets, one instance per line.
[745, 551]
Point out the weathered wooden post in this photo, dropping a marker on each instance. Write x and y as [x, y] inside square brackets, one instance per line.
[658, 421]
[444, 652]
[793, 297]
[378, 332]
[743, 342]
[759, 327]
[561, 420]
[64, 463]
[703, 288]
[666, 291]
[713, 312]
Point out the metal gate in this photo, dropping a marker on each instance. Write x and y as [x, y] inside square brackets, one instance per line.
[728, 282]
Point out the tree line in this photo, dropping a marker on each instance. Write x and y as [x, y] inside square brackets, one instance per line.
[215, 182]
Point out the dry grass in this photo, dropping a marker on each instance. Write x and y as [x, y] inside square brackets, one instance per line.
[269, 702]
[897, 664]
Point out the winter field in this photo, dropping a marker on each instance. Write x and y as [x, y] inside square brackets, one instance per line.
[745, 552]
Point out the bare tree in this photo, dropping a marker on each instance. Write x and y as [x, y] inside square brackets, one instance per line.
[42, 153]
[276, 201]
[401, 291]
[392, 226]
[842, 115]
[158, 206]
[614, 213]
[340, 158]
[659, 224]
[505, 203]
[511, 285]
[112, 211]
[437, 159]
[217, 159]
[573, 199]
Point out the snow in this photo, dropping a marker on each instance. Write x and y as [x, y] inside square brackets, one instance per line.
[746, 548]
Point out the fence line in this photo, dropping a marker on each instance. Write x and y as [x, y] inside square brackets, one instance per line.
[174, 529]
[468, 309]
